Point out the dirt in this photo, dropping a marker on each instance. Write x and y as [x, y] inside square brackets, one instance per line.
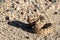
[29, 19]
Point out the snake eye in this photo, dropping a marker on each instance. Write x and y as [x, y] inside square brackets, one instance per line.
[41, 18]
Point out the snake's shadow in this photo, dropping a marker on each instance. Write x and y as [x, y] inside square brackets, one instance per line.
[23, 26]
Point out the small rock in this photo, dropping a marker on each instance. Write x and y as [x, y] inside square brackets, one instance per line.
[7, 18]
[27, 37]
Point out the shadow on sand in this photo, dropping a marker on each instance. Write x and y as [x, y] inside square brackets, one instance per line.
[23, 26]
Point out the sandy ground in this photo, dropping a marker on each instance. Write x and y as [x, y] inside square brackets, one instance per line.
[14, 16]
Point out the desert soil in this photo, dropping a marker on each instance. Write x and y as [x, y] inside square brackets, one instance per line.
[14, 16]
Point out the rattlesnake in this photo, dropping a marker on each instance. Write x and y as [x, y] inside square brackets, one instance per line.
[41, 26]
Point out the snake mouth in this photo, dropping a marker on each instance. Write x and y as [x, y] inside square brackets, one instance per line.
[46, 25]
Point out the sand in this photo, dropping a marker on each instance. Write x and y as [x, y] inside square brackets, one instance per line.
[17, 17]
